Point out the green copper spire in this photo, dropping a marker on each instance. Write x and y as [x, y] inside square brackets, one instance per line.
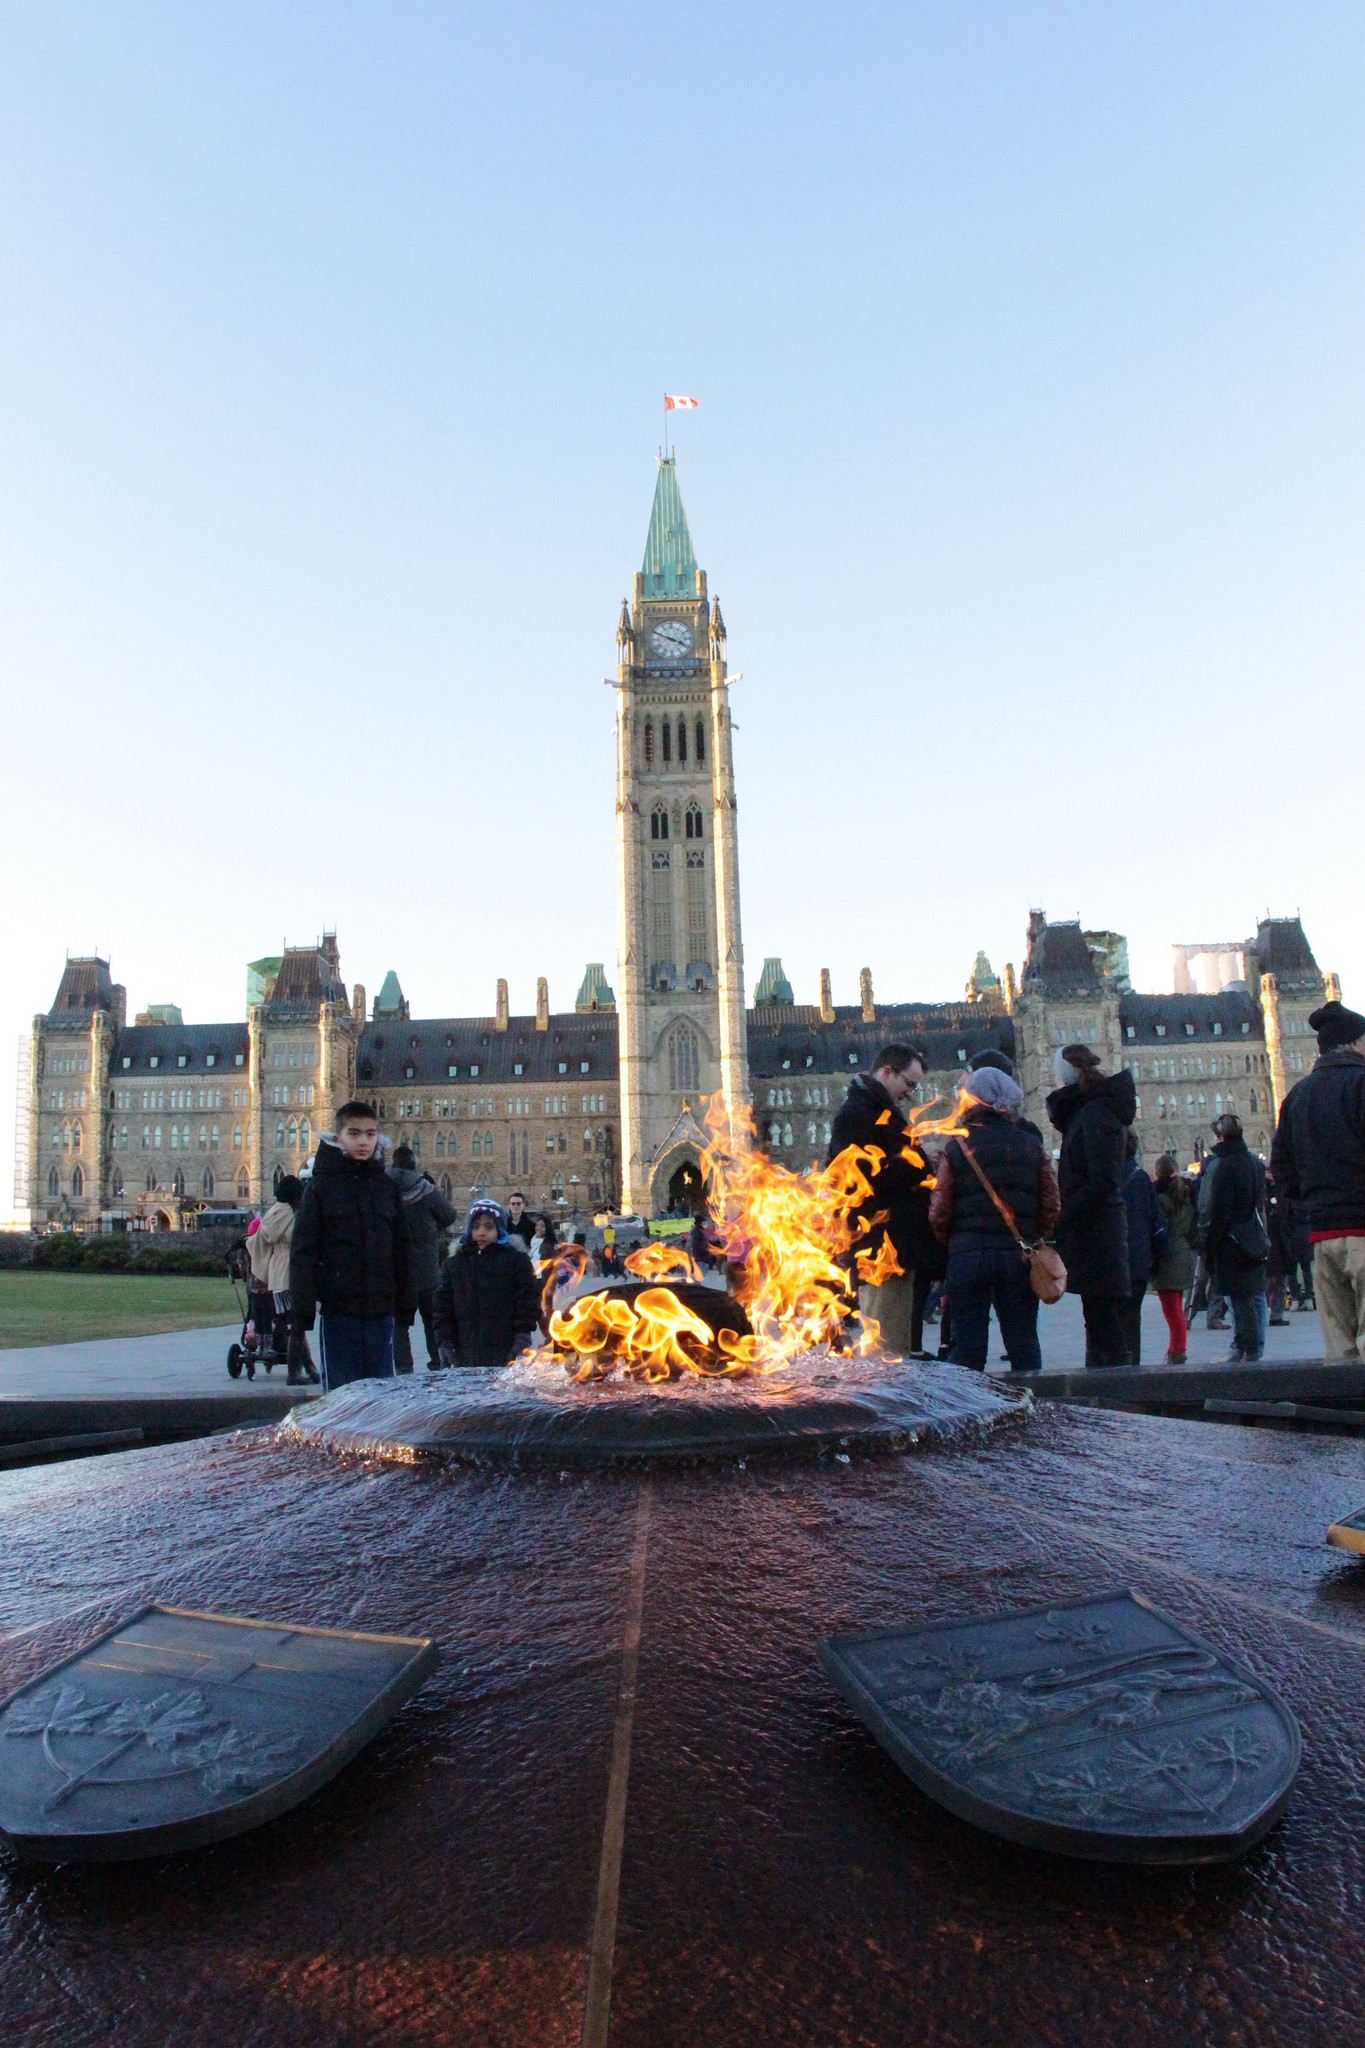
[670, 567]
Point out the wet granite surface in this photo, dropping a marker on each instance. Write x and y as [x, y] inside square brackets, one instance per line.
[782, 1882]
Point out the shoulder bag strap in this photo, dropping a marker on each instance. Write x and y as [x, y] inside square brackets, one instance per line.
[1007, 1215]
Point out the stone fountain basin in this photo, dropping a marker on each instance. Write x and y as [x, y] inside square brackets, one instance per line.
[533, 1414]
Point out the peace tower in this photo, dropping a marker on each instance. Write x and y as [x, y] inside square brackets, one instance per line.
[680, 953]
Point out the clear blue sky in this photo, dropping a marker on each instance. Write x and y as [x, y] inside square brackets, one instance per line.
[1028, 470]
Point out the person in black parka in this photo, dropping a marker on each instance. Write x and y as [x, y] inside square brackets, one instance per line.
[488, 1300]
[1093, 1110]
[349, 1251]
[871, 1116]
[1232, 1227]
[427, 1214]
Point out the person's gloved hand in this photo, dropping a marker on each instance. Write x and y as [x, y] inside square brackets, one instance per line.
[446, 1354]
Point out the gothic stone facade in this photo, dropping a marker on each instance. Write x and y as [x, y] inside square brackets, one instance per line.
[159, 1124]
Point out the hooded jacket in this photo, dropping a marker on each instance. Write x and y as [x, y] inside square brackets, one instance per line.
[426, 1212]
[867, 1117]
[350, 1247]
[1092, 1229]
[270, 1249]
[485, 1300]
[1231, 1201]
[1318, 1158]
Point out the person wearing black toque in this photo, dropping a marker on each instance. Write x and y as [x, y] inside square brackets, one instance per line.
[1093, 1110]
[1318, 1160]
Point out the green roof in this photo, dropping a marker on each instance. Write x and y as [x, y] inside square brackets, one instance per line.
[594, 992]
[670, 566]
[389, 1001]
[773, 985]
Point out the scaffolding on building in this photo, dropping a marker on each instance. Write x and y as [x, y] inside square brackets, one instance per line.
[23, 1130]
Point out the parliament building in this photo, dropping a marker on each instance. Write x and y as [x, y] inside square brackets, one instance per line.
[160, 1124]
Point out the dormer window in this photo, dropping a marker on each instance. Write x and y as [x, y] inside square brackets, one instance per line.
[240, 1059]
[474, 1071]
[1160, 1030]
[786, 1065]
[154, 1059]
[1131, 1030]
[853, 1059]
[1217, 1028]
[210, 1059]
[563, 1066]
[1189, 1029]
[1245, 1029]
[126, 1061]
[517, 1067]
[181, 1059]
[810, 1059]
[584, 1066]
[410, 1073]
[451, 1072]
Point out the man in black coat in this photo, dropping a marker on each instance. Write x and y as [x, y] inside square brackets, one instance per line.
[1318, 1160]
[1146, 1234]
[350, 1251]
[871, 1116]
[487, 1302]
[1092, 1111]
[1233, 1234]
[427, 1213]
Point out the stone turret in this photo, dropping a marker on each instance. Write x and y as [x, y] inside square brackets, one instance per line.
[826, 997]
[865, 996]
[500, 1014]
[542, 1004]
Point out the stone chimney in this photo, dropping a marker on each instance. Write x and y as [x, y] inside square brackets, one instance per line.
[542, 1004]
[358, 1006]
[826, 998]
[1009, 987]
[865, 991]
[500, 1019]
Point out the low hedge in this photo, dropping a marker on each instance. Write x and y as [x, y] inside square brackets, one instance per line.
[201, 1253]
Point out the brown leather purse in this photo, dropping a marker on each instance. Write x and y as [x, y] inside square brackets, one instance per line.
[1046, 1273]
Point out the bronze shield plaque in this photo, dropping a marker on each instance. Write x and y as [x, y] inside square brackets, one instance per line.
[1100, 1729]
[178, 1728]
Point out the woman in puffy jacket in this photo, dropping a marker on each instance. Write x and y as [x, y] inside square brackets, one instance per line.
[985, 1265]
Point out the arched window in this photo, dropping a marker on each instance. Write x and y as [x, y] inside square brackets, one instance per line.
[668, 741]
[243, 1185]
[279, 1134]
[56, 1138]
[701, 740]
[488, 1144]
[692, 822]
[649, 743]
[557, 1187]
[123, 1138]
[682, 739]
[293, 1134]
[116, 1185]
[446, 1188]
[276, 1177]
[236, 1137]
[178, 1182]
[774, 1135]
[684, 1065]
[512, 1154]
[440, 1144]
[207, 1181]
[1253, 1102]
[476, 1145]
[601, 1141]
[563, 1141]
[549, 1141]
[54, 1186]
[786, 1134]
[658, 822]
[151, 1180]
[75, 1137]
[203, 1137]
[156, 1142]
[213, 1139]
[587, 1141]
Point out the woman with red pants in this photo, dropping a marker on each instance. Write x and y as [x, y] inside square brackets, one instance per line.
[1173, 1271]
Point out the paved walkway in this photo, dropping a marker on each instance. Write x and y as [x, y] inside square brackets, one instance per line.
[175, 1362]
[194, 1362]
[1061, 1332]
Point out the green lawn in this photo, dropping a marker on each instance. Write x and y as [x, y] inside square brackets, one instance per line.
[59, 1308]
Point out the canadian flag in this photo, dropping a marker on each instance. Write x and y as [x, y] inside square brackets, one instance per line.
[672, 403]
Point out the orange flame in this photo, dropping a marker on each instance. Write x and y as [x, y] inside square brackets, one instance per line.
[792, 1248]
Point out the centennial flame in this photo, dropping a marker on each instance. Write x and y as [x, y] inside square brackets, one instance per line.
[788, 1241]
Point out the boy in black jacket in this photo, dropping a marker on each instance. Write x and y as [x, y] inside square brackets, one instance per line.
[350, 1251]
[487, 1302]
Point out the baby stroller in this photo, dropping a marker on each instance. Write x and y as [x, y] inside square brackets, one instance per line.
[257, 1343]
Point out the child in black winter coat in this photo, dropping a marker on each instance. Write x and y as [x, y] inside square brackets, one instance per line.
[487, 1300]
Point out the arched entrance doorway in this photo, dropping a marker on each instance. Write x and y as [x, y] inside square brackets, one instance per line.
[684, 1188]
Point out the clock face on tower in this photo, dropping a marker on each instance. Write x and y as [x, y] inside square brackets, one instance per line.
[672, 639]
